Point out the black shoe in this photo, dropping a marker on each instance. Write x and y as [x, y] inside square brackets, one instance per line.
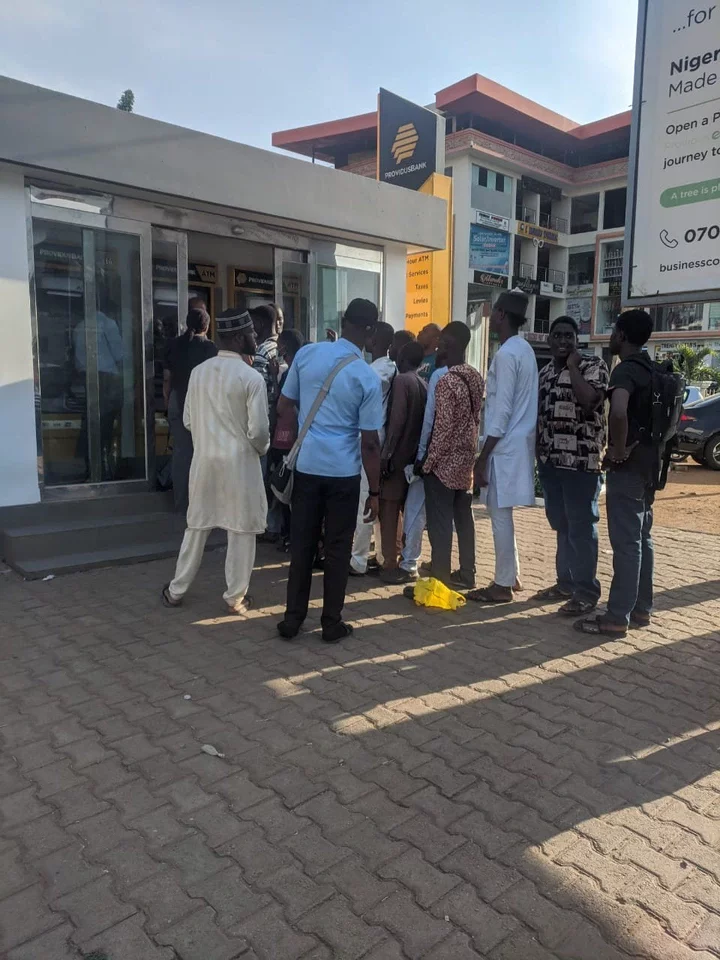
[287, 630]
[373, 564]
[352, 572]
[425, 569]
[459, 582]
[337, 633]
[397, 576]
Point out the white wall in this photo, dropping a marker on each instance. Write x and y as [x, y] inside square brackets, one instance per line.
[462, 169]
[18, 444]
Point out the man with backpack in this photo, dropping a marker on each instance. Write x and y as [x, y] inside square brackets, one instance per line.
[645, 405]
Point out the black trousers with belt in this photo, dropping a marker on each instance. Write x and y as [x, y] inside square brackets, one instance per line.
[329, 503]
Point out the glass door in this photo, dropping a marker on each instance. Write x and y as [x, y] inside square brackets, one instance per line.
[294, 270]
[91, 298]
[169, 311]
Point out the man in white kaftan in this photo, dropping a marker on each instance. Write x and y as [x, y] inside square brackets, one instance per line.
[506, 463]
[226, 410]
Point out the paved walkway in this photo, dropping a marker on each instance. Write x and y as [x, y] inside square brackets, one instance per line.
[444, 786]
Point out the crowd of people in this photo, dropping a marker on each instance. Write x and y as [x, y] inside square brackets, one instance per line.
[399, 445]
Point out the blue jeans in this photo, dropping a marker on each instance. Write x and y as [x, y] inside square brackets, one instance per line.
[571, 506]
[629, 514]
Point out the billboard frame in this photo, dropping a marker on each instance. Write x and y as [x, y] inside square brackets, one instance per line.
[658, 299]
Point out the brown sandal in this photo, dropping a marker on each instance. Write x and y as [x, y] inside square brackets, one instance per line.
[577, 608]
[491, 595]
[552, 594]
[600, 626]
[168, 600]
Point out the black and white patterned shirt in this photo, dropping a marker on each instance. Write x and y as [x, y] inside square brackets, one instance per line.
[568, 436]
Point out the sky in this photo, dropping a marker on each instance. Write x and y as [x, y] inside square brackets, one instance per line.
[242, 69]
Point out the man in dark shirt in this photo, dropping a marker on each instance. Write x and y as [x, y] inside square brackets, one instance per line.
[184, 354]
[630, 480]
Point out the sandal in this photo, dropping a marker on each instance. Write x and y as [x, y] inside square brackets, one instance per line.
[577, 608]
[168, 600]
[241, 608]
[491, 594]
[552, 595]
[600, 626]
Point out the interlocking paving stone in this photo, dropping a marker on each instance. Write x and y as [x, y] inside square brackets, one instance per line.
[485, 783]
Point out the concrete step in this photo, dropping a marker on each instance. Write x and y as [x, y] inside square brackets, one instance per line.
[62, 511]
[60, 564]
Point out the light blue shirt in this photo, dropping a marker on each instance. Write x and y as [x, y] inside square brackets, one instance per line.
[354, 403]
[429, 412]
[109, 345]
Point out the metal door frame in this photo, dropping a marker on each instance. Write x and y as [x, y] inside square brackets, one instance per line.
[96, 221]
[283, 255]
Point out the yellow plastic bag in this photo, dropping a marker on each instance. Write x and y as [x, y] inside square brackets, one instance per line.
[433, 593]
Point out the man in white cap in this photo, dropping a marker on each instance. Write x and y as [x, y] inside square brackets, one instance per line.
[226, 410]
[506, 462]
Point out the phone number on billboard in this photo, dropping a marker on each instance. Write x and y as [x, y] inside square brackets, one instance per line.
[702, 233]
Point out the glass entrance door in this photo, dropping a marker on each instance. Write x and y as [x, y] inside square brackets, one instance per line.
[293, 284]
[92, 295]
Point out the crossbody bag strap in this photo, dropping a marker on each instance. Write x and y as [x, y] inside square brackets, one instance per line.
[317, 403]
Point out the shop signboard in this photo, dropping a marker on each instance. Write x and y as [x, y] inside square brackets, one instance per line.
[428, 290]
[489, 279]
[551, 289]
[674, 226]
[534, 232]
[486, 219]
[527, 285]
[489, 250]
[407, 141]
[579, 305]
[197, 272]
[253, 280]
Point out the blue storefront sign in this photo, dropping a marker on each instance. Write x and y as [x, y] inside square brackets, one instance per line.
[489, 250]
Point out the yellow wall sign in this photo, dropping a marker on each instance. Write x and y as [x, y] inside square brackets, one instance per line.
[428, 278]
[535, 232]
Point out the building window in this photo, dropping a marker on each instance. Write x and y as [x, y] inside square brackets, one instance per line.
[500, 183]
[448, 171]
[584, 217]
[614, 213]
[542, 315]
[714, 321]
[581, 268]
[612, 263]
[482, 175]
[678, 316]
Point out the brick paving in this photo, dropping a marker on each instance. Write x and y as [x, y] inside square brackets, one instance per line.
[485, 784]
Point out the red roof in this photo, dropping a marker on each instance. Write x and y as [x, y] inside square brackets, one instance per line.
[475, 94]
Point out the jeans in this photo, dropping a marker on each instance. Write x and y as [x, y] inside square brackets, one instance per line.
[413, 526]
[317, 500]
[629, 502]
[442, 507]
[571, 507]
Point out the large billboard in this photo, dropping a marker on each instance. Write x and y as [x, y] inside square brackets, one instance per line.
[673, 237]
[407, 141]
[489, 250]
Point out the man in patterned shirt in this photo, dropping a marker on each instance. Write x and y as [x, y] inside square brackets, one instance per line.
[570, 445]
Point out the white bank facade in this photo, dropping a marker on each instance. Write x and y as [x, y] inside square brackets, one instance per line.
[109, 223]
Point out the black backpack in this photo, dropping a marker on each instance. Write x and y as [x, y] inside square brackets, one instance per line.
[667, 393]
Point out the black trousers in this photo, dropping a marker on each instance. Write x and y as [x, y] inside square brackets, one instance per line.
[318, 501]
[442, 507]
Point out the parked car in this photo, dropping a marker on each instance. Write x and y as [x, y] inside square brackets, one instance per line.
[699, 432]
[692, 395]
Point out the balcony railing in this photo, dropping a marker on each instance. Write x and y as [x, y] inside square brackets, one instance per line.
[527, 214]
[554, 223]
[556, 276]
[526, 271]
[581, 279]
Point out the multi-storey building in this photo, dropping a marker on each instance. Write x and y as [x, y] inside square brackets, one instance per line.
[546, 191]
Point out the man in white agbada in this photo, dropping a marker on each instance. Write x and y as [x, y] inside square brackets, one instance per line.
[505, 467]
[226, 410]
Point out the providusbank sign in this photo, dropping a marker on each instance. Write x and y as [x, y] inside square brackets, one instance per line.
[673, 237]
[407, 141]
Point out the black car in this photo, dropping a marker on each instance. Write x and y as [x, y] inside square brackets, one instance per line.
[699, 432]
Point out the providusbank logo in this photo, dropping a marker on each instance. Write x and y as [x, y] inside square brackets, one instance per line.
[406, 139]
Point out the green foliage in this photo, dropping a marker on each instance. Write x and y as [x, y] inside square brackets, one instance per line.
[690, 361]
[126, 101]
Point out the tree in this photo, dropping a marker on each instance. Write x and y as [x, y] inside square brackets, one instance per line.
[691, 363]
[126, 101]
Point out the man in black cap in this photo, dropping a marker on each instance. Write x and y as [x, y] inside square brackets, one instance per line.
[506, 463]
[326, 488]
[226, 411]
